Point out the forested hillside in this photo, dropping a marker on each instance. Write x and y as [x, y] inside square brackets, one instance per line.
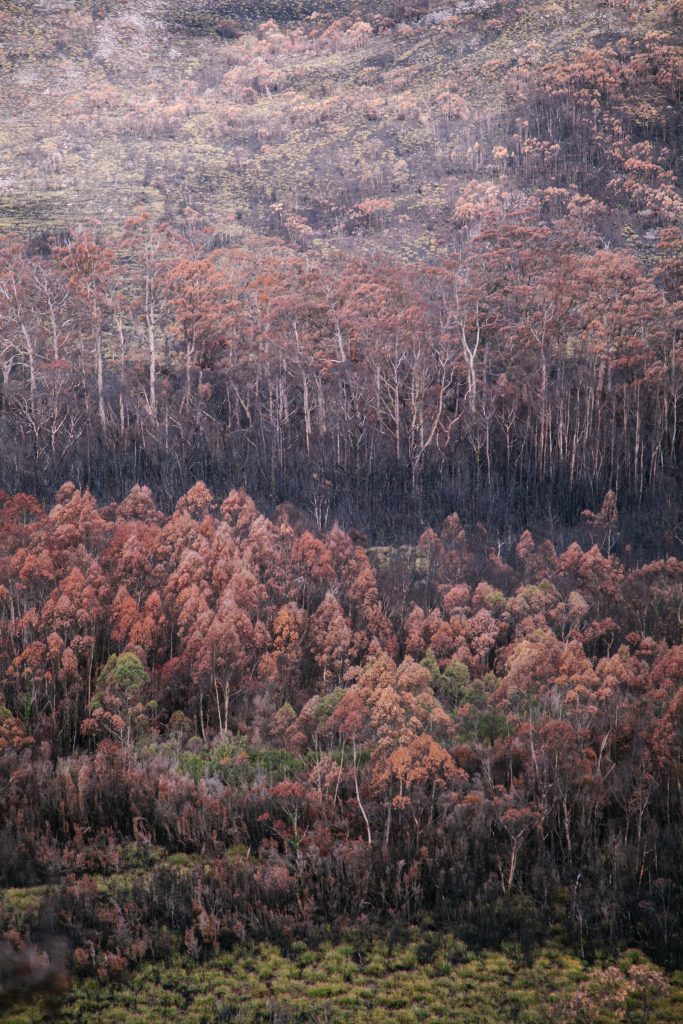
[381, 268]
[341, 518]
[232, 728]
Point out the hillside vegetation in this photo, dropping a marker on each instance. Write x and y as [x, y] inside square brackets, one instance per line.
[382, 263]
[358, 127]
[220, 730]
[341, 532]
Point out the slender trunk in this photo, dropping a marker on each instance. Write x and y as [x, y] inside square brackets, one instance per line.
[99, 357]
[339, 773]
[387, 827]
[31, 356]
[307, 414]
[122, 376]
[358, 799]
[152, 345]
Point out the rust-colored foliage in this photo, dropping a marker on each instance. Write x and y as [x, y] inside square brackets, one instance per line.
[523, 706]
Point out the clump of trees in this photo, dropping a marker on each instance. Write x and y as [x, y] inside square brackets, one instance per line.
[330, 734]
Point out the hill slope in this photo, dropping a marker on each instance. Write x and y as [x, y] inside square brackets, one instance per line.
[357, 126]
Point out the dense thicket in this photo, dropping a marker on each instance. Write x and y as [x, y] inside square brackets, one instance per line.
[496, 745]
[516, 381]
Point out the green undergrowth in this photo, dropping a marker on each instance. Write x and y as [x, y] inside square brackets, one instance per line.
[236, 764]
[20, 907]
[430, 978]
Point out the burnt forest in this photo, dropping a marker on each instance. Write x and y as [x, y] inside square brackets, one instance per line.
[341, 512]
